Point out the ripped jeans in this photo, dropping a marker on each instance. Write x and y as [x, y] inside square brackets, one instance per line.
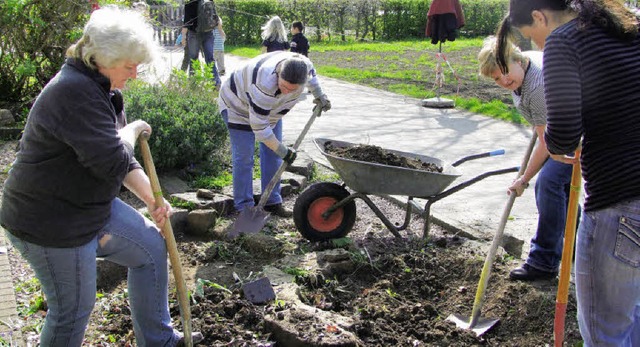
[68, 279]
[608, 276]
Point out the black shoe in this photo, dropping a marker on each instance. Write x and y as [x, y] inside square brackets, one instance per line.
[279, 210]
[529, 273]
[196, 337]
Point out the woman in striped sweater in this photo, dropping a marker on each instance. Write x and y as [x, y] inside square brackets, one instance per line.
[591, 77]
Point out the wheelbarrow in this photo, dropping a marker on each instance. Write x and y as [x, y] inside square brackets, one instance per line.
[327, 210]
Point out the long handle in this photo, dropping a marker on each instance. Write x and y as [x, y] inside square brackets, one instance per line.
[497, 238]
[167, 231]
[276, 178]
[567, 255]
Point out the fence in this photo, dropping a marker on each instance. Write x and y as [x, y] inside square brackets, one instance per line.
[167, 22]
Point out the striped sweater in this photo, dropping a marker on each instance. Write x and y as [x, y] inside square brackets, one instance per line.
[252, 99]
[592, 88]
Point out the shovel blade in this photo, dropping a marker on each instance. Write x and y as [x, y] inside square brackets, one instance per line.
[250, 221]
[481, 327]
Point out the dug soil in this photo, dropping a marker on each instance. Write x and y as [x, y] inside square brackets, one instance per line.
[381, 290]
[379, 155]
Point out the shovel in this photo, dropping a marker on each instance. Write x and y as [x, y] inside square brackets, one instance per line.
[167, 231]
[567, 255]
[477, 324]
[252, 219]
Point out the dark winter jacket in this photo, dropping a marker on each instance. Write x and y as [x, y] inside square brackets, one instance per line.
[300, 44]
[71, 162]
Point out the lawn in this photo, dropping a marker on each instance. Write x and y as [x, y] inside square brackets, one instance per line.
[408, 68]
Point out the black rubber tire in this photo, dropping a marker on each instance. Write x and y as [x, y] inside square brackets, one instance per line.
[327, 194]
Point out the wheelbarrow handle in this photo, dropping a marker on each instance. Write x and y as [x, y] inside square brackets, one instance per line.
[478, 156]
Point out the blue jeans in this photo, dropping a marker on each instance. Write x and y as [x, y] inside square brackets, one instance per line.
[68, 279]
[552, 196]
[608, 276]
[242, 157]
[204, 41]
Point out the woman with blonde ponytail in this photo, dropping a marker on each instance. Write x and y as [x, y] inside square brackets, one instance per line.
[592, 83]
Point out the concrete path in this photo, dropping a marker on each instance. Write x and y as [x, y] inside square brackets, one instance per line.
[371, 116]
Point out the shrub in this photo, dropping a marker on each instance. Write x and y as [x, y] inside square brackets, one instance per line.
[188, 131]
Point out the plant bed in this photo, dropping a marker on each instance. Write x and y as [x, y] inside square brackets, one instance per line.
[393, 292]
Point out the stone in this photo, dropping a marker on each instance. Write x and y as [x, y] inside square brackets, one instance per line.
[179, 220]
[512, 245]
[199, 221]
[6, 118]
[205, 194]
[223, 204]
[172, 184]
[259, 291]
[303, 165]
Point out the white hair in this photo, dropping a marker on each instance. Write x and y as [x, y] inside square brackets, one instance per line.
[113, 35]
[274, 30]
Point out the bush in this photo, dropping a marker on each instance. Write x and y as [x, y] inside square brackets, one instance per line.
[34, 36]
[188, 131]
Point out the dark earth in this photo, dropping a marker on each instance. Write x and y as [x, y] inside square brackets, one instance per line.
[393, 292]
[379, 155]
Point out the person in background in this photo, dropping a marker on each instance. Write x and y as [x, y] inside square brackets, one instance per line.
[218, 47]
[60, 207]
[194, 41]
[252, 102]
[591, 50]
[299, 42]
[526, 84]
[274, 36]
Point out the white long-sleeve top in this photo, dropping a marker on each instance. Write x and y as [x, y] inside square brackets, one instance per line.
[252, 98]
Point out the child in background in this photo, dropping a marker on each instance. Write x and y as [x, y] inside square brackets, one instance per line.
[218, 46]
[274, 36]
[299, 42]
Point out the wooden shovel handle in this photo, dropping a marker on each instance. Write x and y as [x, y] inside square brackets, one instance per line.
[567, 254]
[167, 231]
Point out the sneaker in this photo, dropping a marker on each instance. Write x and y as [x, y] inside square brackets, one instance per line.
[279, 210]
[529, 273]
[196, 337]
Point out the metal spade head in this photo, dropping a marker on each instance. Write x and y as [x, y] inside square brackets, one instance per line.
[481, 327]
[249, 221]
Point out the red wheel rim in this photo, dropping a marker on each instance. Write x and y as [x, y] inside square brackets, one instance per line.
[320, 206]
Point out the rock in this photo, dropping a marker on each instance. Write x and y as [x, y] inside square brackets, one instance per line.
[205, 194]
[292, 183]
[172, 184]
[512, 245]
[179, 220]
[303, 165]
[199, 221]
[6, 118]
[259, 291]
[223, 204]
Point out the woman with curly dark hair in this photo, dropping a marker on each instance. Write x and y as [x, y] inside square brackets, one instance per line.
[591, 70]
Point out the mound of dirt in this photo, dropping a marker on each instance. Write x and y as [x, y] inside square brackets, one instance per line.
[379, 155]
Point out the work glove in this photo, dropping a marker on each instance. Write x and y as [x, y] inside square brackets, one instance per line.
[291, 155]
[518, 186]
[323, 102]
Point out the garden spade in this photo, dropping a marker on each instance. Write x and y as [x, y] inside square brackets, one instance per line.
[251, 220]
[167, 231]
[476, 323]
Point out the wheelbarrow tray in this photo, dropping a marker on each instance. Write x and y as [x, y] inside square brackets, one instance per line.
[379, 179]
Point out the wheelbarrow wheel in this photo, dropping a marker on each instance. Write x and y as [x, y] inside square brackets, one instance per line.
[312, 203]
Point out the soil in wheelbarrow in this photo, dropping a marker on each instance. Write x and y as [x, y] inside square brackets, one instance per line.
[396, 292]
[378, 155]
